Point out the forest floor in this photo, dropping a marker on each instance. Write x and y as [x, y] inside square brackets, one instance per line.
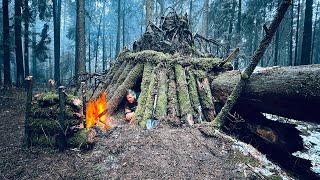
[127, 152]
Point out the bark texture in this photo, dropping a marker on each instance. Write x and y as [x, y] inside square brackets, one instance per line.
[292, 92]
[128, 83]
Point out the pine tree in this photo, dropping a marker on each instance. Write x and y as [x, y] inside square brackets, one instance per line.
[6, 44]
[18, 43]
[80, 39]
[307, 34]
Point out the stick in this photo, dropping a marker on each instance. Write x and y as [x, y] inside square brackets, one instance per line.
[234, 96]
[28, 111]
[231, 56]
[62, 103]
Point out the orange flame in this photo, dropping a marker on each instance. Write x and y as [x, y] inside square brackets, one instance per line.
[94, 108]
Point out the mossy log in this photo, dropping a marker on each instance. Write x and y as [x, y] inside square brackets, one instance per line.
[162, 102]
[121, 78]
[183, 93]
[52, 112]
[173, 108]
[292, 92]
[109, 75]
[150, 98]
[155, 57]
[115, 76]
[147, 77]
[206, 98]
[82, 139]
[52, 98]
[128, 83]
[50, 126]
[193, 93]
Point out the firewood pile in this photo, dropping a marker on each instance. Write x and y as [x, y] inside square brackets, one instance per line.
[44, 125]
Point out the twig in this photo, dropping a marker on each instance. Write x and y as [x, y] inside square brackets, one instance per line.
[44, 133]
[235, 94]
[231, 56]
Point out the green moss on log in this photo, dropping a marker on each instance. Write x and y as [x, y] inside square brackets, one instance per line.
[173, 108]
[121, 78]
[128, 83]
[149, 56]
[193, 93]
[52, 98]
[155, 57]
[206, 98]
[183, 93]
[150, 100]
[52, 112]
[116, 76]
[147, 74]
[79, 139]
[162, 102]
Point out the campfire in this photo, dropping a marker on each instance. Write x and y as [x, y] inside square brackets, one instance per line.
[95, 113]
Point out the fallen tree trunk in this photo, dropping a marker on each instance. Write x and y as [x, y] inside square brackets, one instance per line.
[275, 139]
[292, 92]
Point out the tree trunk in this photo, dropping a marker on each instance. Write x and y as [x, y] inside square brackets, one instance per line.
[26, 15]
[97, 41]
[162, 102]
[161, 3]
[307, 34]
[275, 139]
[238, 29]
[128, 83]
[89, 49]
[118, 29]
[205, 23]
[292, 92]
[314, 33]
[190, 14]
[146, 79]
[34, 57]
[297, 36]
[123, 25]
[231, 21]
[104, 59]
[149, 10]
[206, 99]
[56, 26]
[18, 43]
[291, 37]
[6, 44]
[276, 44]
[183, 93]
[80, 39]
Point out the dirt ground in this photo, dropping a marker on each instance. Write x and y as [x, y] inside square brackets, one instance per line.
[125, 152]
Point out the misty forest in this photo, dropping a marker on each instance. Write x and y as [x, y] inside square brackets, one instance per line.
[153, 89]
